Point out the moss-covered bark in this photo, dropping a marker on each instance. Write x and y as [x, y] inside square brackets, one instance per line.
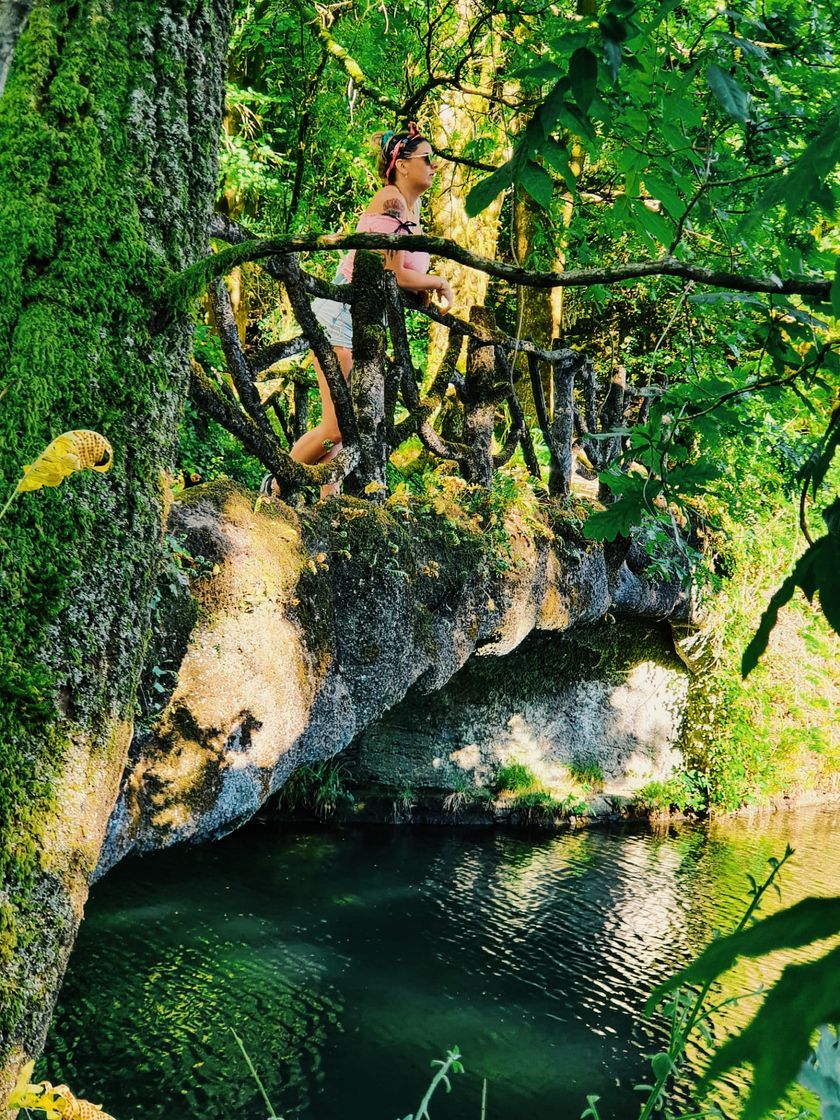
[108, 127]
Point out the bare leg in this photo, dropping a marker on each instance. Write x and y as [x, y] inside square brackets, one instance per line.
[312, 445]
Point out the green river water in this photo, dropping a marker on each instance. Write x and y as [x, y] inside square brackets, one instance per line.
[347, 960]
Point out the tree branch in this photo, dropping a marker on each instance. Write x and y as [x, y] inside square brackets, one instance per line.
[237, 363]
[518, 427]
[287, 472]
[195, 278]
[224, 412]
[277, 352]
[555, 454]
[323, 351]
[354, 71]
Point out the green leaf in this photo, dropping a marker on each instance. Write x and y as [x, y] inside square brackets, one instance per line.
[745, 45]
[484, 192]
[537, 182]
[818, 569]
[557, 157]
[544, 71]
[730, 95]
[652, 223]
[546, 115]
[583, 74]
[812, 919]
[662, 1065]
[615, 521]
[613, 28]
[821, 1073]
[636, 495]
[777, 1041]
[575, 121]
[797, 186]
[694, 477]
[666, 194]
[817, 466]
[570, 40]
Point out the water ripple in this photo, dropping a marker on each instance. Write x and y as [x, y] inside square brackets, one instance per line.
[347, 961]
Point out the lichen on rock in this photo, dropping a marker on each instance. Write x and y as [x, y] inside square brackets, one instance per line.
[312, 624]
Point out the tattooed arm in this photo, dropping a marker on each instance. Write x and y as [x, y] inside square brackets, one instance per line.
[392, 203]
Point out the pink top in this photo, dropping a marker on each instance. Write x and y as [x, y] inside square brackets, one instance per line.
[385, 223]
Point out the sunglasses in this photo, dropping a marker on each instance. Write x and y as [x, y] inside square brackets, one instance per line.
[427, 156]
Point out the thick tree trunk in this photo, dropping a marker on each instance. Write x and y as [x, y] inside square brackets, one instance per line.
[479, 406]
[108, 126]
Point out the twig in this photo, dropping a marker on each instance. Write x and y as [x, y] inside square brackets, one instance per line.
[272, 1114]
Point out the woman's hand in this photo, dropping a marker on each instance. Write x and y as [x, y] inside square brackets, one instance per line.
[444, 294]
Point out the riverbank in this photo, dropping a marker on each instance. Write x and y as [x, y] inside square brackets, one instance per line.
[348, 807]
[287, 634]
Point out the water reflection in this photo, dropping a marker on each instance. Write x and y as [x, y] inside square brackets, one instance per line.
[347, 961]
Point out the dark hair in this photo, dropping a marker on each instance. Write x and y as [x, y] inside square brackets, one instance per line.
[391, 146]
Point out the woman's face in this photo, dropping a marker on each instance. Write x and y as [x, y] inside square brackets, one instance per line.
[415, 169]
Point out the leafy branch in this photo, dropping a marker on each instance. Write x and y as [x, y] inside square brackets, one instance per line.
[816, 571]
[777, 1040]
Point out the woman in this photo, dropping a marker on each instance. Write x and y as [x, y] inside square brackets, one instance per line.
[407, 170]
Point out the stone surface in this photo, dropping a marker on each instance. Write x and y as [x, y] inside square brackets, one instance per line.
[608, 696]
[310, 626]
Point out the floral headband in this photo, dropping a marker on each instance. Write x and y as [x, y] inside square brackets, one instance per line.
[388, 137]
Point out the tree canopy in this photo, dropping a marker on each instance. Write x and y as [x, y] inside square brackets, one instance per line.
[678, 162]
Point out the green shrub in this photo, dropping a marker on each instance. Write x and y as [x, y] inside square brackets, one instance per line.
[684, 791]
[515, 777]
[318, 788]
[540, 806]
[587, 773]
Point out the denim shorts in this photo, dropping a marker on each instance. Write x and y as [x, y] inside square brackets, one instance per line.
[335, 318]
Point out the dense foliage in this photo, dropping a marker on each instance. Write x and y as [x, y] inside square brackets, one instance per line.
[694, 133]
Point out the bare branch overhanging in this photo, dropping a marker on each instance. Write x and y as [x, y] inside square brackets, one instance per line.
[202, 272]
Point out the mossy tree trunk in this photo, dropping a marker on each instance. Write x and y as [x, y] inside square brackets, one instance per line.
[479, 403]
[108, 126]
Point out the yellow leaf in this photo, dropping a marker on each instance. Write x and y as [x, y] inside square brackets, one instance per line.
[22, 1081]
[55, 1103]
[71, 451]
[41, 1096]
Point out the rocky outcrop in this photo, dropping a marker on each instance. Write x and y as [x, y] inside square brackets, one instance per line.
[298, 630]
[595, 710]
